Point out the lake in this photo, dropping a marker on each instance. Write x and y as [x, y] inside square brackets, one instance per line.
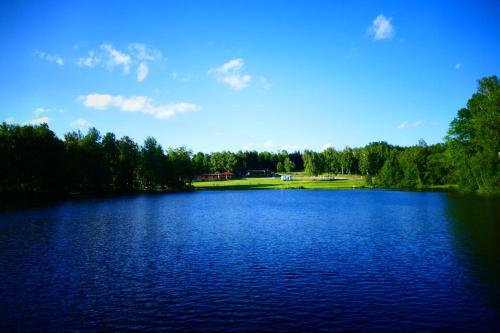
[275, 260]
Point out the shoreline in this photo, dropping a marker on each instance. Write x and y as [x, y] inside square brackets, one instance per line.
[25, 202]
[306, 183]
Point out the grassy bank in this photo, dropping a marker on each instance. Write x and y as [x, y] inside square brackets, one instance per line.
[298, 182]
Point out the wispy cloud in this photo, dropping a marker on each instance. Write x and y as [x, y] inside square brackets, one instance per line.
[110, 57]
[80, 122]
[458, 66]
[41, 120]
[116, 58]
[40, 110]
[10, 120]
[406, 124]
[381, 28]
[231, 74]
[142, 71]
[143, 52]
[91, 60]
[141, 104]
[50, 57]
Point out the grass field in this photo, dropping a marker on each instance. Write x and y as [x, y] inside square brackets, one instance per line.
[298, 182]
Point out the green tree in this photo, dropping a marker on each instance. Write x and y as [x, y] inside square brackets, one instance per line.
[331, 160]
[87, 168]
[438, 166]
[181, 172]
[280, 167]
[474, 140]
[111, 154]
[153, 164]
[372, 158]
[200, 165]
[313, 163]
[32, 160]
[391, 174]
[128, 164]
[289, 165]
[413, 163]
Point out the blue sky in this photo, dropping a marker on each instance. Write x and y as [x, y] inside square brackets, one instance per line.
[230, 75]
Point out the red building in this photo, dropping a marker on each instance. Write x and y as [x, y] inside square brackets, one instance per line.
[215, 176]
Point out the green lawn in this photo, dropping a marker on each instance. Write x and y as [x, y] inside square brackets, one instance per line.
[298, 182]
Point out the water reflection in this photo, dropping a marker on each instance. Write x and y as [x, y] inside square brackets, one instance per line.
[475, 222]
[253, 260]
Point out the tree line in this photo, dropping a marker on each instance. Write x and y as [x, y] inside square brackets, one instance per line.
[35, 160]
[469, 157]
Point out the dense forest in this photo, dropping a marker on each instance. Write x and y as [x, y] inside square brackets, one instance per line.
[35, 160]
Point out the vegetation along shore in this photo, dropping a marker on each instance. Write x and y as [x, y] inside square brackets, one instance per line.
[36, 162]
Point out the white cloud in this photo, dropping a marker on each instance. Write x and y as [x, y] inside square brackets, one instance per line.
[80, 122]
[116, 58]
[458, 66]
[381, 28]
[166, 111]
[38, 111]
[41, 120]
[143, 52]
[10, 120]
[97, 101]
[50, 58]
[231, 74]
[406, 124]
[108, 56]
[91, 60]
[142, 71]
[141, 104]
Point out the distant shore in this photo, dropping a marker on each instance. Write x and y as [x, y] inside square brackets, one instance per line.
[300, 181]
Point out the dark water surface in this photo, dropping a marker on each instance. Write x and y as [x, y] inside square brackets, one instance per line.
[289, 260]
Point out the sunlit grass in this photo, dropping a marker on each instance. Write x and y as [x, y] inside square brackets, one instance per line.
[298, 182]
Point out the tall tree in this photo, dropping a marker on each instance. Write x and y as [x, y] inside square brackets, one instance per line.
[181, 172]
[372, 158]
[313, 163]
[153, 166]
[111, 151]
[128, 164]
[474, 139]
[331, 159]
[289, 165]
[391, 173]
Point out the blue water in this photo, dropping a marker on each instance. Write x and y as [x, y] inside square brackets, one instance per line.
[289, 260]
